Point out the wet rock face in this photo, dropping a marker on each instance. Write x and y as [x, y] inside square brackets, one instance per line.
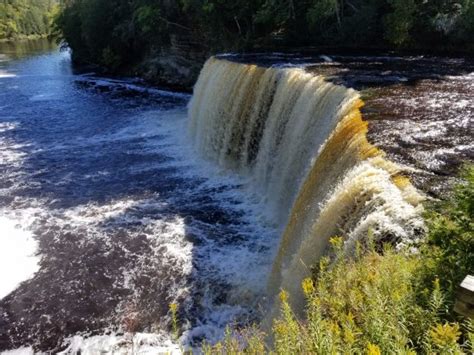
[171, 71]
[177, 66]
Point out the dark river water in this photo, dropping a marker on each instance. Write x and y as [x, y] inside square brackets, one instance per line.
[118, 216]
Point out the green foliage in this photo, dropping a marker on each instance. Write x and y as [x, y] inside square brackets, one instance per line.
[100, 31]
[133, 29]
[399, 21]
[23, 18]
[323, 10]
[389, 303]
[449, 253]
[346, 22]
[147, 19]
[174, 320]
[357, 305]
[367, 305]
[466, 22]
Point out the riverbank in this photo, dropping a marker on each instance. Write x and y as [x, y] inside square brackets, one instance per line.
[168, 43]
[177, 66]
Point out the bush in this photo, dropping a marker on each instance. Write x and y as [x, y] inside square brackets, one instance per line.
[449, 251]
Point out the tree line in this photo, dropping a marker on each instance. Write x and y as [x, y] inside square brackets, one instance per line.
[118, 32]
[24, 18]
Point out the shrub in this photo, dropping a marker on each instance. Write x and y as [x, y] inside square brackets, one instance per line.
[449, 252]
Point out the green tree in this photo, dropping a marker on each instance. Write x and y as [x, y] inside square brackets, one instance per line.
[399, 22]
[19, 18]
[450, 247]
[119, 33]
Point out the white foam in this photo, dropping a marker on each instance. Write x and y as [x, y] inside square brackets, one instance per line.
[127, 344]
[20, 351]
[326, 58]
[18, 261]
[44, 97]
[4, 74]
[7, 126]
[245, 267]
[130, 85]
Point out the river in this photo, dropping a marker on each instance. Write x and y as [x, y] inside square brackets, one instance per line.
[108, 216]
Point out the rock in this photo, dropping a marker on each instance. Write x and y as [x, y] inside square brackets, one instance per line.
[177, 66]
[465, 298]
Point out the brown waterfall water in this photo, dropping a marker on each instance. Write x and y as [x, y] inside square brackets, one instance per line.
[302, 142]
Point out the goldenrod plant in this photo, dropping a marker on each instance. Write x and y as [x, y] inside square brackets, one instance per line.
[174, 320]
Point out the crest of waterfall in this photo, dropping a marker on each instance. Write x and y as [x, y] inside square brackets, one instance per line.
[302, 142]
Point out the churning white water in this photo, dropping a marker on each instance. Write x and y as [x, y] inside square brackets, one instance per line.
[18, 261]
[302, 143]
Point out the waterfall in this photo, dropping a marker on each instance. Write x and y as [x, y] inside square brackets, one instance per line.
[302, 142]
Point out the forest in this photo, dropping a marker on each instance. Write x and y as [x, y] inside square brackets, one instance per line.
[26, 18]
[117, 33]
